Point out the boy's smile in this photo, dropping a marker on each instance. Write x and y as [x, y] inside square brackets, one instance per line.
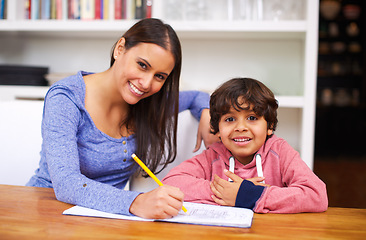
[243, 133]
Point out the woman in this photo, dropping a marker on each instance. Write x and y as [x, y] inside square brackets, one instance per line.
[92, 123]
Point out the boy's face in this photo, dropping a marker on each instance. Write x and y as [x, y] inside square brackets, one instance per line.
[243, 133]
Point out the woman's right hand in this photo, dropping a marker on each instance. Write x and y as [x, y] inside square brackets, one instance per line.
[204, 131]
[163, 202]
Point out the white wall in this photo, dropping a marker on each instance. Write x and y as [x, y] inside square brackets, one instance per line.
[20, 140]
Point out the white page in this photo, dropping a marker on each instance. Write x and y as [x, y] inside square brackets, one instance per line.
[88, 212]
[202, 214]
[205, 214]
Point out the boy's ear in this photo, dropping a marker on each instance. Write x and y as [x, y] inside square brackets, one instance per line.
[269, 132]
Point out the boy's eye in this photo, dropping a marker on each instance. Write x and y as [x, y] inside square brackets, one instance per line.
[252, 118]
[229, 119]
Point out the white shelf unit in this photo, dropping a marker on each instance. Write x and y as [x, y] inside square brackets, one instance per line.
[282, 54]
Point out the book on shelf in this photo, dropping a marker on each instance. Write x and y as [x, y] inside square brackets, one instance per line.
[149, 8]
[139, 9]
[53, 12]
[98, 7]
[117, 9]
[45, 9]
[34, 9]
[74, 9]
[59, 8]
[27, 10]
[143, 9]
[87, 9]
[3, 9]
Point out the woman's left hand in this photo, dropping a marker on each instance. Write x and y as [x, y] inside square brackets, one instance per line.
[203, 132]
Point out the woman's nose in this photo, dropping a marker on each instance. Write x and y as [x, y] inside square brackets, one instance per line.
[145, 82]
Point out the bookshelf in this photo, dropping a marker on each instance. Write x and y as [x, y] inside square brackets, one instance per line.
[280, 53]
[341, 83]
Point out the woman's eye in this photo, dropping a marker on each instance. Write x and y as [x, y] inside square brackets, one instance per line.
[142, 65]
[229, 119]
[160, 77]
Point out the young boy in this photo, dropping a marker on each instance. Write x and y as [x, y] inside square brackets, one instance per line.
[244, 115]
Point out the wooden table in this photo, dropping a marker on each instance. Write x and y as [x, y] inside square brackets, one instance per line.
[34, 213]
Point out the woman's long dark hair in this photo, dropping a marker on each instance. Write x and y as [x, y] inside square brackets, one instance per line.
[154, 119]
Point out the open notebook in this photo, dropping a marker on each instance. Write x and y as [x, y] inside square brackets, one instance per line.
[202, 214]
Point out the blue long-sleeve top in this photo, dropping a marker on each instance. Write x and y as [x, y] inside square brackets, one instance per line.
[83, 165]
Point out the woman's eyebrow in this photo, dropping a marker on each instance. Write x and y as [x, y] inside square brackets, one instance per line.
[163, 73]
[145, 61]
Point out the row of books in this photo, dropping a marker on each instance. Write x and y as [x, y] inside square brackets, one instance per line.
[87, 9]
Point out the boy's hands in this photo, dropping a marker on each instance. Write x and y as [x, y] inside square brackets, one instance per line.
[162, 202]
[225, 192]
[258, 181]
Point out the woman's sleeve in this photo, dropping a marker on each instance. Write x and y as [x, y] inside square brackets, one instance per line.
[302, 190]
[60, 148]
[195, 101]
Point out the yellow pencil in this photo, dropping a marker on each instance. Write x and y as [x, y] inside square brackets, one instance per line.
[151, 174]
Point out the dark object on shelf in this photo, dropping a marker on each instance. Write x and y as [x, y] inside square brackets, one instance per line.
[329, 9]
[23, 75]
[341, 83]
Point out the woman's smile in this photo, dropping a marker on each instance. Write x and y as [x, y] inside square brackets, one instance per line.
[135, 90]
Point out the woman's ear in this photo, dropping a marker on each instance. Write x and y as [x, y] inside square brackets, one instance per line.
[120, 47]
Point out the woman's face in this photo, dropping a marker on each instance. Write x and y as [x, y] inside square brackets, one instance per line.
[142, 70]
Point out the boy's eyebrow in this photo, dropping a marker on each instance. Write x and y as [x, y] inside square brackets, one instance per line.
[230, 111]
[233, 110]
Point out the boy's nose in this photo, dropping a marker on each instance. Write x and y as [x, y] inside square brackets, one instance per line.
[241, 126]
